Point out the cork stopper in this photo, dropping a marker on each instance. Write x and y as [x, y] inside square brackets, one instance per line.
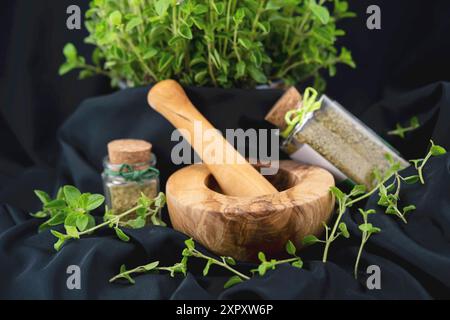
[129, 151]
[289, 101]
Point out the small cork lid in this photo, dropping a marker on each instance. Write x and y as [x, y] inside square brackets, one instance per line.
[289, 101]
[129, 151]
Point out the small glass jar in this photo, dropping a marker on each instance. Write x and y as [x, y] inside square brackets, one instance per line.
[124, 183]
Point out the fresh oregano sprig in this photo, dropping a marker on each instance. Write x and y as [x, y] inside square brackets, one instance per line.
[389, 197]
[401, 131]
[227, 263]
[339, 228]
[367, 229]
[146, 208]
[71, 208]
[271, 264]
[419, 164]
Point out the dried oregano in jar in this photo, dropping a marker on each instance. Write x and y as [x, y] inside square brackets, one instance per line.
[129, 170]
[331, 137]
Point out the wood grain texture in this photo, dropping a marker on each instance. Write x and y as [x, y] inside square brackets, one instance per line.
[233, 173]
[290, 100]
[240, 227]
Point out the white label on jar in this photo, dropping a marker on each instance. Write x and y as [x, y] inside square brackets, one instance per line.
[308, 155]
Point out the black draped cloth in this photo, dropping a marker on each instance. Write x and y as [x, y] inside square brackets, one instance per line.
[47, 139]
[414, 258]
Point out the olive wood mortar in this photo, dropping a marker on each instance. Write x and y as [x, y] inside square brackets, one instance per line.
[230, 208]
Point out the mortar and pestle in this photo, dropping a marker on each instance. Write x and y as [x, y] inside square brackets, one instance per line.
[229, 207]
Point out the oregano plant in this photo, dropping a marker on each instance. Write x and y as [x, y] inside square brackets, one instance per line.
[226, 43]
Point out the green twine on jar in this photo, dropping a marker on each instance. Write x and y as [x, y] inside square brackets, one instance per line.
[127, 172]
[297, 116]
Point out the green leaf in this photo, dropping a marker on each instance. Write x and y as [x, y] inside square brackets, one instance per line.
[58, 245]
[82, 202]
[66, 68]
[232, 281]
[39, 215]
[246, 43]
[165, 61]
[55, 204]
[230, 261]
[207, 266]
[309, 240]
[239, 16]
[337, 193]
[60, 194]
[297, 264]
[409, 208]
[411, 179]
[240, 69]
[82, 222]
[70, 52]
[94, 201]
[72, 232]
[437, 150]
[200, 9]
[262, 269]
[97, 56]
[161, 7]
[344, 231]
[57, 219]
[115, 18]
[261, 256]
[137, 223]
[121, 235]
[257, 74]
[319, 11]
[151, 52]
[91, 221]
[84, 74]
[43, 196]
[133, 23]
[358, 190]
[414, 122]
[190, 244]
[71, 219]
[290, 248]
[124, 275]
[62, 238]
[375, 230]
[151, 266]
[365, 227]
[185, 31]
[200, 76]
[72, 195]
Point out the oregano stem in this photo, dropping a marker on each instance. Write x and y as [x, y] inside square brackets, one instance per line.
[420, 169]
[198, 254]
[116, 219]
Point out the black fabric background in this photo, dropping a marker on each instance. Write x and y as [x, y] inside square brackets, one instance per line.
[404, 65]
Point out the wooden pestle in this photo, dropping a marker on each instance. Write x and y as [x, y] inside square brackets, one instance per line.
[236, 177]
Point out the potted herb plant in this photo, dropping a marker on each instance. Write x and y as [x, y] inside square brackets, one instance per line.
[227, 43]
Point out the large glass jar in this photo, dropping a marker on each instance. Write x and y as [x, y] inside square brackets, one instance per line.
[331, 137]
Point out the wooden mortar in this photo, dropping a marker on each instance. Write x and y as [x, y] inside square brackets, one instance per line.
[230, 208]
